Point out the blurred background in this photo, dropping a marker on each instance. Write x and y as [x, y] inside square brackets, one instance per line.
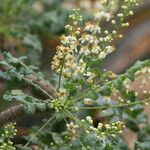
[33, 27]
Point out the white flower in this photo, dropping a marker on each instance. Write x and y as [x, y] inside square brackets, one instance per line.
[95, 49]
[89, 119]
[95, 29]
[102, 55]
[84, 50]
[90, 76]
[101, 15]
[88, 101]
[62, 92]
[66, 73]
[79, 70]
[71, 127]
[100, 125]
[109, 49]
[89, 28]
[89, 38]
[107, 16]
[70, 41]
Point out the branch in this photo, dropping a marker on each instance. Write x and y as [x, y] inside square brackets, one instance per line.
[11, 114]
[44, 86]
[16, 111]
[116, 105]
[40, 84]
[9, 64]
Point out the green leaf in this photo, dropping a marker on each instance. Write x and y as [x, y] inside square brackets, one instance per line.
[130, 75]
[131, 96]
[132, 125]
[96, 71]
[105, 91]
[29, 108]
[22, 147]
[10, 59]
[56, 137]
[136, 110]
[123, 92]
[69, 86]
[33, 42]
[143, 145]
[41, 106]
[4, 75]
[92, 62]
[117, 84]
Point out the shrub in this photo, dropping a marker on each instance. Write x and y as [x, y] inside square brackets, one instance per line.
[82, 90]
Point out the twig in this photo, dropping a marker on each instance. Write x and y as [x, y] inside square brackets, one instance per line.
[115, 106]
[41, 85]
[43, 126]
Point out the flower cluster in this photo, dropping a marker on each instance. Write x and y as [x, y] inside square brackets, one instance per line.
[9, 132]
[90, 42]
[94, 6]
[110, 129]
[100, 45]
[64, 61]
[59, 105]
[103, 130]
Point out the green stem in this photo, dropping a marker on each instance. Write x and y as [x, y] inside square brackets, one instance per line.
[60, 75]
[44, 125]
[59, 82]
[115, 106]
[81, 144]
[88, 91]
[71, 116]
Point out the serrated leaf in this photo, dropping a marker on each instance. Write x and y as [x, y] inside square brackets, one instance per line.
[29, 108]
[105, 91]
[4, 75]
[132, 125]
[117, 84]
[41, 106]
[131, 96]
[32, 41]
[56, 137]
[130, 76]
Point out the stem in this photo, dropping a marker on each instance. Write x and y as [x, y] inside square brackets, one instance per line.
[67, 113]
[115, 106]
[24, 65]
[60, 75]
[81, 144]
[44, 125]
[59, 82]
[77, 138]
[88, 90]
[53, 89]
[39, 88]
